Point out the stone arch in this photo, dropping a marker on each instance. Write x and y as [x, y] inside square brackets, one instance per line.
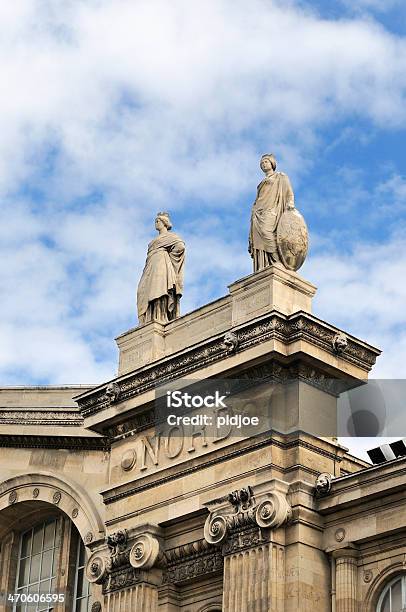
[379, 583]
[61, 493]
[212, 607]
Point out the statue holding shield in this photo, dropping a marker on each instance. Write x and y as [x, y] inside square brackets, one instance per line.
[278, 232]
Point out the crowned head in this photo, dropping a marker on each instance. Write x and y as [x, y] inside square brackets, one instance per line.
[164, 219]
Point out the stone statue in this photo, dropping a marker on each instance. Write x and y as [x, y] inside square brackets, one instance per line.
[161, 284]
[278, 231]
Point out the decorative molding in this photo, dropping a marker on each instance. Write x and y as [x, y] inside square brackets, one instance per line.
[35, 492]
[88, 537]
[56, 442]
[367, 576]
[231, 342]
[339, 534]
[323, 484]
[242, 499]
[191, 561]
[249, 520]
[56, 498]
[136, 423]
[251, 537]
[75, 512]
[271, 371]
[287, 329]
[128, 460]
[41, 417]
[112, 392]
[340, 343]
[125, 561]
[112, 496]
[96, 607]
[117, 544]
[273, 512]
[96, 569]
[12, 498]
[145, 552]
[122, 578]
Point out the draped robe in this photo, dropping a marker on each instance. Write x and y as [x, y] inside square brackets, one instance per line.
[274, 196]
[161, 284]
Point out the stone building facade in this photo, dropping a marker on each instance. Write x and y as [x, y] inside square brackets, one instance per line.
[99, 501]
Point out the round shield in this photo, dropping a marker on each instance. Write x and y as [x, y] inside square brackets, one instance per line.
[292, 239]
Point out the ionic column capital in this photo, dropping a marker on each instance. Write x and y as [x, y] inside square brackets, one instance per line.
[137, 550]
[264, 508]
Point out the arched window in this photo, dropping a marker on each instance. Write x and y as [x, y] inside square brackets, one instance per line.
[42, 550]
[393, 597]
[37, 565]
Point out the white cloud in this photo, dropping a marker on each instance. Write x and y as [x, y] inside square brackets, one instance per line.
[156, 104]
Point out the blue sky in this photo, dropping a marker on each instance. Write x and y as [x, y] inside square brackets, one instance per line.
[114, 109]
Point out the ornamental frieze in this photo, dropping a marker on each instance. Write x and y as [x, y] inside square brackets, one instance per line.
[287, 329]
[190, 561]
[272, 371]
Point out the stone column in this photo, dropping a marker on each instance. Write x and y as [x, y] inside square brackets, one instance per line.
[142, 596]
[130, 574]
[253, 579]
[254, 564]
[346, 579]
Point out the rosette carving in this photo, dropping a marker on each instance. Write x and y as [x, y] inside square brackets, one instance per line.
[144, 552]
[273, 512]
[215, 529]
[96, 569]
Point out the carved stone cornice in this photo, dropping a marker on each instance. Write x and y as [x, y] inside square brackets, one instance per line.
[272, 371]
[285, 328]
[190, 561]
[58, 442]
[126, 559]
[52, 417]
[247, 517]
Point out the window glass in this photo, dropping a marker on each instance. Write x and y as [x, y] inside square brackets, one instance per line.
[393, 597]
[83, 598]
[38, 553]
[396, 596]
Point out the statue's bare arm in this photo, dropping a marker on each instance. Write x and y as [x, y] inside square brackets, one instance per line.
[290, 200]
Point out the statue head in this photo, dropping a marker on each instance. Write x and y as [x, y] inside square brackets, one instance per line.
[267, 160]
[163, 217]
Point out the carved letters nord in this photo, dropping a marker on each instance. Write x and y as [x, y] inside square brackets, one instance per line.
[160, 448]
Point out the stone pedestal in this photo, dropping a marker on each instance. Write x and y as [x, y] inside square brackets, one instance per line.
[140, 346]
[273, 288]
[346, 580]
